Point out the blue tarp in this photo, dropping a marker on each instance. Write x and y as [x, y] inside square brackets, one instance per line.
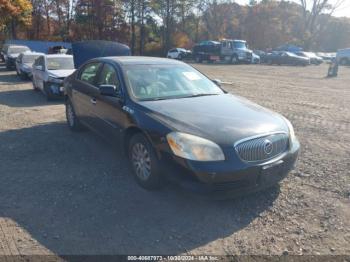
[86, 50]
[39, 46]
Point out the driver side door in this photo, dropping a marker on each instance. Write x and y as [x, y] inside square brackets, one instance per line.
[111, 117]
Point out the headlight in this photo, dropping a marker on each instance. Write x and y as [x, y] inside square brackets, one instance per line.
[194, 147]
[55, 80]
[291, 129]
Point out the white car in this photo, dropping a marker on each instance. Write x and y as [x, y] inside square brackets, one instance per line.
[11, 53]
[49, 71]
[343, 56]
[24, 64]
[178, 53]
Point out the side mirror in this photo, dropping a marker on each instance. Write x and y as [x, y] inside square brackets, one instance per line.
[217, 82]
[108, 90]
[39, 67]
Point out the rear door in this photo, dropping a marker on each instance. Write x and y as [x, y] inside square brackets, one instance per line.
[85, 91]
[111, 116]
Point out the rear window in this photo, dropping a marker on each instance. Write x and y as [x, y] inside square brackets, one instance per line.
[16, 50]
[29, 59]
[58, 63]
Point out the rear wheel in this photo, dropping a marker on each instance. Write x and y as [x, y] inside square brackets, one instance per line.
[72, 119]
[144, 162]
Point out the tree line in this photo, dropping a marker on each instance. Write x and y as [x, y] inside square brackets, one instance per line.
[154, 26]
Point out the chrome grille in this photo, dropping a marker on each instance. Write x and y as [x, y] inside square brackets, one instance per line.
[263, 147]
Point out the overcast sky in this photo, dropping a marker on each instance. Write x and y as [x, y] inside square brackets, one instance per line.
[343, 10]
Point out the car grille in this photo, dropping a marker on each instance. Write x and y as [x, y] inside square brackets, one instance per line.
[262, 148]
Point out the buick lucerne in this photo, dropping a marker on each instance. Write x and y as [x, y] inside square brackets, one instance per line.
[175, 123]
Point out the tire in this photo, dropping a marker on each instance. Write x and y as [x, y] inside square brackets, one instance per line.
[34, 86]
[72, 119]
[48, 93]
[8, 67]
[344, 61]
[23, 76]
[198, 59]
[144, 162]
[179, 57]
[234, 59]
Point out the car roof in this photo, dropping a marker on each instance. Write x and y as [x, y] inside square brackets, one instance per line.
[141, 60]
[32, 53]
[17, 46]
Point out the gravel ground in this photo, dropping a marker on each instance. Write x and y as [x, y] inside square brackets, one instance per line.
[67, 193]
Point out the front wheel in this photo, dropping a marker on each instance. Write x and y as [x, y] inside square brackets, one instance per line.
[23, 75]
[234, 59]
[198, 59]
[48, 92]
[34, 85]
[144, 162]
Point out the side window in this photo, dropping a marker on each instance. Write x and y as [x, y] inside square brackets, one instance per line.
[88, 73]
[36, 62]
[42, 61]
[108, 76]
[39, 61]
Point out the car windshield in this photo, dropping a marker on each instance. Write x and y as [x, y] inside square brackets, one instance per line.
[156, 82]
[17, 50]
[240, 45]
[57, 63]
[29, 59]
[310, 54]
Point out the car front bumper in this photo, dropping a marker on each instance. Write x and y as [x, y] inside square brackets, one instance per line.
[56, 89]
[229, 179]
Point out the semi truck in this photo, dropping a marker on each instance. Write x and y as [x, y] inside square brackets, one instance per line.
[227, 50]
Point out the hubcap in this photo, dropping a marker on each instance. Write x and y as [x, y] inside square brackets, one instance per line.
[70, 115]
[141, 161]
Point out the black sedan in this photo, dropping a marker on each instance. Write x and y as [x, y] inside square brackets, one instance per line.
[177, 124]
[286, 58]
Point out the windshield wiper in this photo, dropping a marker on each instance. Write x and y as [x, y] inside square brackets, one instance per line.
[198, 95]
[176, 97]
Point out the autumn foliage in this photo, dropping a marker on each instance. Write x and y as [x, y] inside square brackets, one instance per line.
[154, 26]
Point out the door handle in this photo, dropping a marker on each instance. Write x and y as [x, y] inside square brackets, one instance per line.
[93, 100]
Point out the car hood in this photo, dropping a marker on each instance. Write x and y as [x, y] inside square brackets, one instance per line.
[61, 73]
[15, 55]
[223, 119]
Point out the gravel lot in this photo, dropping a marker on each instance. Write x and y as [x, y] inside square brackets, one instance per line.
[68, 193]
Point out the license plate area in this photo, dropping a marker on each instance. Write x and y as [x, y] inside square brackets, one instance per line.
[213, 57]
